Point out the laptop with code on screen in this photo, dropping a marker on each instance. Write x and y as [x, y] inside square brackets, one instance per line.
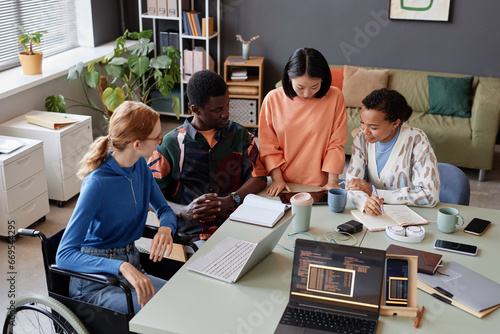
[334, 288]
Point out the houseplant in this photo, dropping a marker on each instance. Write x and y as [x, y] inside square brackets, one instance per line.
[127, 73]
[31, 61]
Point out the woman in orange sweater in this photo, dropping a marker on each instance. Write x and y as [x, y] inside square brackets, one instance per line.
[303, 126]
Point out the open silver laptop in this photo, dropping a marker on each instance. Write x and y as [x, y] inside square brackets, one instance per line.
[334, 288]
[231, 258]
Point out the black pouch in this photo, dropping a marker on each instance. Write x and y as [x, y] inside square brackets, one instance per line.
[351, 227]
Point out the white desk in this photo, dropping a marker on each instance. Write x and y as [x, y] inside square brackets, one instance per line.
[194, 303]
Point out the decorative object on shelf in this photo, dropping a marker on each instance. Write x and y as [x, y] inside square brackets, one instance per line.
[135, 68]
[31, 61]
[419, 10]
[245, 51]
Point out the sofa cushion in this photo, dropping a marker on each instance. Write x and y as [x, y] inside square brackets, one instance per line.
[450, 96]
[359, 82]
[337, 77]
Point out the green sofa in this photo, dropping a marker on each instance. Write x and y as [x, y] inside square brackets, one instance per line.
[463, 142]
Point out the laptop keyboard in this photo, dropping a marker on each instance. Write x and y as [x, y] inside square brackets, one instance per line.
[335, 323]
[232, 261]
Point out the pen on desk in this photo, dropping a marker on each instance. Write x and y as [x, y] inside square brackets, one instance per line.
[376, 194]
[417, 322]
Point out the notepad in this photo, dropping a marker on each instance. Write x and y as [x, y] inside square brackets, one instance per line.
[393, 215]
[50, 121]
[259, 211]
[8, 145]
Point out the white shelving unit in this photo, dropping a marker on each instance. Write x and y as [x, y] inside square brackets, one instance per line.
[187, 41]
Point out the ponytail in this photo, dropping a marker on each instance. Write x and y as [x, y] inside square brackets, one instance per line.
[93, 158]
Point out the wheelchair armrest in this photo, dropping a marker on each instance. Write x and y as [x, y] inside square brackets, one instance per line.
[106, 279]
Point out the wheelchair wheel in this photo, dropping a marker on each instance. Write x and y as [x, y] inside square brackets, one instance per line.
[41, 314]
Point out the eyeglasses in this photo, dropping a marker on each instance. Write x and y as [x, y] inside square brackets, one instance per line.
[159, 139]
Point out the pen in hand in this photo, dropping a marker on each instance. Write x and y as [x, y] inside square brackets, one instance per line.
[376, 194]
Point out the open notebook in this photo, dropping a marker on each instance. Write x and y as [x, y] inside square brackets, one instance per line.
[393, 215]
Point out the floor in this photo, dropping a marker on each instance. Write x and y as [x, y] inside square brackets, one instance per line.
[29, 276]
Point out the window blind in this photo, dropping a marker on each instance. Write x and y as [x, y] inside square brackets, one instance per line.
[57, 17]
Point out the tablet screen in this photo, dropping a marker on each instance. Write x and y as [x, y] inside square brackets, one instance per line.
[319, 197]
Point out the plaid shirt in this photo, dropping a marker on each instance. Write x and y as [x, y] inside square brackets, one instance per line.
[186, 167]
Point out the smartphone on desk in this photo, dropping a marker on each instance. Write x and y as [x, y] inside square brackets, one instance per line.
[396, 281]
[477, 226]
[455, 247]
[319, 197]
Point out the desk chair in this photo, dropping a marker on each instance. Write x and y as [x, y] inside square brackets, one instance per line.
[455, 187]
[58, 313]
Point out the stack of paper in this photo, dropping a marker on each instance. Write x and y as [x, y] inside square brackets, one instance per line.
[239, 73]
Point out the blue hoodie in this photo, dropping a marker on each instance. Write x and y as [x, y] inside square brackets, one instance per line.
[111, 212]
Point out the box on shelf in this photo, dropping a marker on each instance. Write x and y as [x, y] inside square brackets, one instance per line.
[169, 37]
[195, 60]
[152, 7]
[243, 90]
[243, 111]
[161, 7]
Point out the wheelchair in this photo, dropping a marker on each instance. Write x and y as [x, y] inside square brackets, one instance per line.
[58, 313]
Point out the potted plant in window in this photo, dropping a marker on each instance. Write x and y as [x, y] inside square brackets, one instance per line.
[31, 61]
[125, 74]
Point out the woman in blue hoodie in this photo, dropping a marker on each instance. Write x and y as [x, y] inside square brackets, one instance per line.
[110, 214]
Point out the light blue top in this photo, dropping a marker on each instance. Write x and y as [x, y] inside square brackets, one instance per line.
[111, 212]
[383, 151]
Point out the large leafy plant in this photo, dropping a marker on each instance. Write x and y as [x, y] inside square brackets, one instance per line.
[124, 74]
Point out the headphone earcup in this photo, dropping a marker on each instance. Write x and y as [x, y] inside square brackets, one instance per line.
[408, 234]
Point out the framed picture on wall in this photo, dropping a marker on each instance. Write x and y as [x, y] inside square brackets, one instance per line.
[426, 10]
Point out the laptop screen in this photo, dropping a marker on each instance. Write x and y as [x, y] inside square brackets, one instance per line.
[339, 277]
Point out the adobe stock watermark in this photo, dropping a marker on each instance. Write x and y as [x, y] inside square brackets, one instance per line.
[363, 37]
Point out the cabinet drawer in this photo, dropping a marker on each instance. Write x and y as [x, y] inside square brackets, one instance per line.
[70, 164]
[71, 187]
[25, 166]
[26, 191]
[76, 140]
[28, 213]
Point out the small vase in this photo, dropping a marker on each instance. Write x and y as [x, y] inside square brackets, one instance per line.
[245, 50]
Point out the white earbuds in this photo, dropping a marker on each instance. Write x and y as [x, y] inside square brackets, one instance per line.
[405, 234]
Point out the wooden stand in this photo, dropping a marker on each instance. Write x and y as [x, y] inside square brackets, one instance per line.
[412, 309]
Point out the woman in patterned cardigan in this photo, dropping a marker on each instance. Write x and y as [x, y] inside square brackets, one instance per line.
[394, 158]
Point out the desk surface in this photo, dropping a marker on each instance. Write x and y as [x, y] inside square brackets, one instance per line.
[194, 303]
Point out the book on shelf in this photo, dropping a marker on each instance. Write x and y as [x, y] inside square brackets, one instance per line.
[197, 20]
[235, 60]
[204, 26]
[192, 22]
[259, 210]
[185, 23]
[52, 121]
[393, 215]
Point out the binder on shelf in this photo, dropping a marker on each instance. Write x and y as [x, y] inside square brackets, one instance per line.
[188, 64]
[172, 8]
[169, 37]
[210, 26]
[162, 7]
[152, 6]
[185, 23]
[199, 60]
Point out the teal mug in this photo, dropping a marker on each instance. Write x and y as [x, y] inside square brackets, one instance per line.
[448, 219]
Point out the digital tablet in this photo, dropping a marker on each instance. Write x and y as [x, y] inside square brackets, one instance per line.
[319, 197]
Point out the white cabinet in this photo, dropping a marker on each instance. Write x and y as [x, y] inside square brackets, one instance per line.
[63, 149]
[23, 187]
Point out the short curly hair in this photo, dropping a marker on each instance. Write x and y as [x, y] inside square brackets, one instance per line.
[390, 102]
[203, 85]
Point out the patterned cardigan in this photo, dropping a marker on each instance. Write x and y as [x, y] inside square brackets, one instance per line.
[409, 177]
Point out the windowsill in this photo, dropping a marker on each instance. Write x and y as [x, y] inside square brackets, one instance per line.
[14, 81]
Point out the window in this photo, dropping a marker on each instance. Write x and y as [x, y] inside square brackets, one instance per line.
[57, 17]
